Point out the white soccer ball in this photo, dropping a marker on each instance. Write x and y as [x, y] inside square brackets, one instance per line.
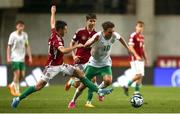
[137, 101]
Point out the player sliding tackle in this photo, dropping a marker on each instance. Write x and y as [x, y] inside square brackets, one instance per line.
[100, 62]
[55, 61]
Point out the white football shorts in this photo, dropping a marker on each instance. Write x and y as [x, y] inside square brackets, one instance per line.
[137, 67]
[52, 71]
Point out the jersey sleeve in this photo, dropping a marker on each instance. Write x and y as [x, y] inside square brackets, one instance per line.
[117, 35]
[131, 39]
[95, 37]
[11, 39]
[76, 36]
[58, 44]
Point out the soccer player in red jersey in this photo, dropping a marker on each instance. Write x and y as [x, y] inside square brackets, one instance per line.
[55, 61]
[81, 55]
[139, 59]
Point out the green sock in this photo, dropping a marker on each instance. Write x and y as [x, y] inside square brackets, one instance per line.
[130, 82]
[90, 95]
[27, 92]
[137, 88]
[89, 84]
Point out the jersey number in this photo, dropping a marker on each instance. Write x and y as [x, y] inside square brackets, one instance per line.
[107, 48]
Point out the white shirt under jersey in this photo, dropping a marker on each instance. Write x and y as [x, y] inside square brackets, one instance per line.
[100, 52]
[18, 48]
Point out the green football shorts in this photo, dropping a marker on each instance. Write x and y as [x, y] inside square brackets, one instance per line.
[91, 71]
[18, 66]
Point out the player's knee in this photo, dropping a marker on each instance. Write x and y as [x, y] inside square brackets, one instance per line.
[40, 85]
[76, 84]
[108, 80]
[78, 73]
[94, 80]
[138, 76]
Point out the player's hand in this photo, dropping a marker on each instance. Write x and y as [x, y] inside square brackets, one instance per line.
[53, 9]
[8, 60]
[79, 45]
[30, 60]
[76, 59]
[138, 58]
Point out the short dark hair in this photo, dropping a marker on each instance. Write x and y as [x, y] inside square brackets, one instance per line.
[90, 16]
[19, 22]
[60, 25]
[107, 25]
[141, 23]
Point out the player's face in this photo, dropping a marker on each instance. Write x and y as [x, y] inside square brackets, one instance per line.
[63, 31]
[108, 33]
[91, 23]
[139, 28]
[20, 27]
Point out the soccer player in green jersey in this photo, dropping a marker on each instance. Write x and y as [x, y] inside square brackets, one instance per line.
[100, 61]
[17, 47]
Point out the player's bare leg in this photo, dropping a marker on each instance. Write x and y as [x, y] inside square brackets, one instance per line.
[78, 92]
[90, 95]
[137, 87]
[14, 86]
[78, 73]
[73, 81]
[126, 88]
[107, 80]
[28, 92]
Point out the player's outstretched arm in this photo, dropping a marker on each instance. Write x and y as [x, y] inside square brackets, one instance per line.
[75, 57]
[53, 13]
[69, 49]
[91, 41]
[123, 42]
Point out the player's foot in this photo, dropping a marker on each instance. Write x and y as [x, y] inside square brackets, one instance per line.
[68, 84]
[126, 90]
[71, 105]
[15, 102]
[101, 98]
[89, 105]
[17, 94]
[12, 91]
[103, 92]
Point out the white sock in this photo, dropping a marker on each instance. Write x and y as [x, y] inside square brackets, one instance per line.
[12, 84]
[75, 94]
[102, 85]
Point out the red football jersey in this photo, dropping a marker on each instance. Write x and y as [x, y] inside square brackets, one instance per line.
[81, 36]
[55, 57]
[137, 41]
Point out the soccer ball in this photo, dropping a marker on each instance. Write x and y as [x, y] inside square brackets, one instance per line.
[137, 101]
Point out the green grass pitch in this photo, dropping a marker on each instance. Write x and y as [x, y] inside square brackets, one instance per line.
[54, 99]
